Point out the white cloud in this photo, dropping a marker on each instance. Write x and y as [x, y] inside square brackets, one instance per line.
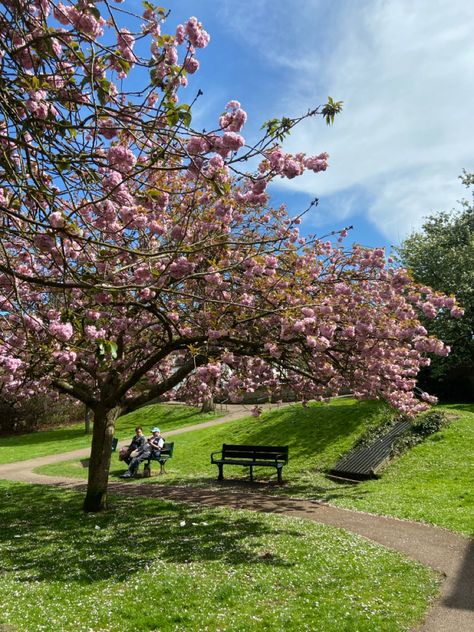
[404, 71]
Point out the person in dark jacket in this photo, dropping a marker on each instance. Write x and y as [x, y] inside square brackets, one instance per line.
[152, 447]
[137, 443]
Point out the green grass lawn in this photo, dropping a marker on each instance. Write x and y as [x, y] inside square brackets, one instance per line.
[35, 444]
[153, 565]
[317, 435]
[431, 483]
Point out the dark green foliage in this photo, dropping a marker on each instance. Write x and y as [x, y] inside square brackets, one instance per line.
[40, 411]
[378, 428]
[441, 255]
[424, 426]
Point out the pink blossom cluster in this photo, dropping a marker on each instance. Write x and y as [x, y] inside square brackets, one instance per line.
[83, 20]
[290, 166]
[197, 36]
[181, 267]
[234, 119]
[61, 331]
[125, 44]
[191, 65]
[37, 105]
[121, 158]
[108, 128]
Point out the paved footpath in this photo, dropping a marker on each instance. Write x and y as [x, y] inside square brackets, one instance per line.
[450, 554]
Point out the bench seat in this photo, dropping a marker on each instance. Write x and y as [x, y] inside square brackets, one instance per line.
[161, 457]
[251, 456]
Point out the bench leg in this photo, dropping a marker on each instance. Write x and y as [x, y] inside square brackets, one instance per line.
[146, 470]
[279, 469]
[221, 471]
[162, 467]
[251, 473]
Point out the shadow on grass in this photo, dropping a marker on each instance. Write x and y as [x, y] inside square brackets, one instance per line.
[467, 408]
[46, 536]
[323, 426]
[462, 597]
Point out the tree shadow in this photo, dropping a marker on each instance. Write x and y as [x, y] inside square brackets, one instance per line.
[47, 537]
[462, 597]
[323, 426]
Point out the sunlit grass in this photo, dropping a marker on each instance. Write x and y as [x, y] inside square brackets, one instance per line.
[153, 565]
[431, 483]
[317, 435]
[43, 443]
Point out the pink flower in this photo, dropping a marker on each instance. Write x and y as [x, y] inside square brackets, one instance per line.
[197, 36]
[61, 331]
[56, 220]
[191, 65]
[232, 141]
[121, 158]
[180, 34]
[108, 128]
[197, 145]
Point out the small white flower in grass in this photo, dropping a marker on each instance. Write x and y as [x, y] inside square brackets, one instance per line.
[182, 523]
[97, 527]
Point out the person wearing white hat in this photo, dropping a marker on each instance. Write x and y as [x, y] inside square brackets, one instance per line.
[151, 448]
[156, 441]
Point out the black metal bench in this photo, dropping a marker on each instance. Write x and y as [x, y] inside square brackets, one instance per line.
[162, 457]
[251, 456]
[114, 443]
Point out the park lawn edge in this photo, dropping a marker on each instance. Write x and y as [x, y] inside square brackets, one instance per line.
[243, 569]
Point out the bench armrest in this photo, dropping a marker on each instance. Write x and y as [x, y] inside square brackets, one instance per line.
[213, 453]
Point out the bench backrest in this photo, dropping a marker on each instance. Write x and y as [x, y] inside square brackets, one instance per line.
[167, 449]
[255, 452]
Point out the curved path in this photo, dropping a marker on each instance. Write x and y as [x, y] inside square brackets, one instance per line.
[450, 554]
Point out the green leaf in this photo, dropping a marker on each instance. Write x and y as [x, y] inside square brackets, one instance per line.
[330, 110]
[93, 11]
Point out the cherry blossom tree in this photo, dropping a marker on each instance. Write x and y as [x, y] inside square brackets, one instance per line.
[139, 256]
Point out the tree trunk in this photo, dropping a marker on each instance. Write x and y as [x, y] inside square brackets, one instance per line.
[99, 463]
[87, 420]
[208, 405]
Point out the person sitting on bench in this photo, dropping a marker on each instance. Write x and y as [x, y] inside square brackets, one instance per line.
[137, 442]
[151, 448]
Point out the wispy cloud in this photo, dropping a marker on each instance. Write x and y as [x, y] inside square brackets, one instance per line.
[405, 72]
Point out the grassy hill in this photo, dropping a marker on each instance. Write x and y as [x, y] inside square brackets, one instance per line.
[72, 437]
[431, 483]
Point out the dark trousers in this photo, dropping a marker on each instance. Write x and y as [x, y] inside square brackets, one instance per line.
[135, 462]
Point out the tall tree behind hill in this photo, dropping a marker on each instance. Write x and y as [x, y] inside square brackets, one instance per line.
[441, 255]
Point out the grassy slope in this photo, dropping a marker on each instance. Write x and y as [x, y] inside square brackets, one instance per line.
[21, 447]
[316, 436]
[431, 483]
[151, 565]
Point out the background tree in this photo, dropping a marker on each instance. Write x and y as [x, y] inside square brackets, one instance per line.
[441, 255]
[138, 255]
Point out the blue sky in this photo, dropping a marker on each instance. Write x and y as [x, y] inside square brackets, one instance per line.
[404, 70]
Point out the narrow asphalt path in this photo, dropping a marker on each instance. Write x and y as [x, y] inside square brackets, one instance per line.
[450, 554]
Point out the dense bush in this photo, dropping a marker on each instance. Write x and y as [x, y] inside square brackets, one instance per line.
[37, 412]
[422, 427]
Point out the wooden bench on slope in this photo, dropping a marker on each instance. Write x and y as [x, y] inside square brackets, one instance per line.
[251, 456]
